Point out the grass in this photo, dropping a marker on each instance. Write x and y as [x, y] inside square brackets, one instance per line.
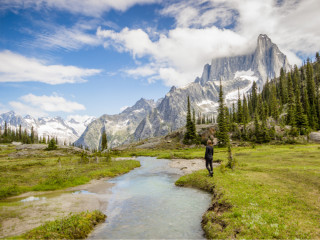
[274, 193]
[182, 153]
[40, 170]
[74, 226]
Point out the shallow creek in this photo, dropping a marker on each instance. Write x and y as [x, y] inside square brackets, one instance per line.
[145, 203]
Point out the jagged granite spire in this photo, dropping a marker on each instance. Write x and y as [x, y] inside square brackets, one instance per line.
[265, 62]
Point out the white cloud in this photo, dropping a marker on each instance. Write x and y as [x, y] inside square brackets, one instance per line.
[86, 7]
[68, 38]
[41, 105]
[18, 68]
[178, 56]
[181, 53]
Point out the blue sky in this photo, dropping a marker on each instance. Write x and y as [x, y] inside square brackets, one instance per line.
[94, 57]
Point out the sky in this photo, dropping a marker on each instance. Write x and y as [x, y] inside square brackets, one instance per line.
[94, 57]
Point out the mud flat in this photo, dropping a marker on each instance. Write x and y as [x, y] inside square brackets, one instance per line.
[32, 209]
[189, 166]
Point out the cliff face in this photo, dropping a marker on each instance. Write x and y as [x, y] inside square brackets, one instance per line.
[236, 73]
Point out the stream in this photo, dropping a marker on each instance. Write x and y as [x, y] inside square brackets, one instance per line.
[146, 204]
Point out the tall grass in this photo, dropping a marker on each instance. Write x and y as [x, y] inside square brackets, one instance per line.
[74, 226]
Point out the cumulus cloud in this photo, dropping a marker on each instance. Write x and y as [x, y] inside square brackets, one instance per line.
[86, 7]
[17, 68]
[42, 105]
[181, 53]
[217, 28]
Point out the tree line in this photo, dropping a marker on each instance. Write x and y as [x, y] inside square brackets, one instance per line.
[25, 136]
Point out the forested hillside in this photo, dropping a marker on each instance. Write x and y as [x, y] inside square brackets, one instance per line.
[286, 107]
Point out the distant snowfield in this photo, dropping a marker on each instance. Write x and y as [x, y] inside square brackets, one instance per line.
[208, 106]
[66, 131]
[242, 76]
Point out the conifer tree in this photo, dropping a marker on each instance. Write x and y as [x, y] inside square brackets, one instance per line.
[256, 126]
[282, 85]
[291, 104]
[32, 135]
[245, 110]
[5, 129]
[104, 143]
[239, 109]
[20, 133]
[189, 136]
[254, 97]
[222, 134]
[234, 114]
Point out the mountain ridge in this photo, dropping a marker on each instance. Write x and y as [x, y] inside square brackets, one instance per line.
[237, 74]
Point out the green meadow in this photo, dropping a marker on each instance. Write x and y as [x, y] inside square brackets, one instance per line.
[274, 192]
[41, 170]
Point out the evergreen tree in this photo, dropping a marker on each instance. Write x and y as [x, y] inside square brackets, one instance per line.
[222, 134]
[283, 89]
[256, 127]
[254, 97]
[5, 129]
[245, 109]
[274, 103]
[52, 145]
[240, 111]
[234, 114]
[189, 136]
[104, 142]
[32, 135]
[317, 57]
[20, 133]
[291, 104]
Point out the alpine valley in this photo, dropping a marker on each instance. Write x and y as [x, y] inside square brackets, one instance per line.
[148, 118]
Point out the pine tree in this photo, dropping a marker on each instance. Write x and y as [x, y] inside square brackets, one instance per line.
[222, 134]
[317, 57]
[245, 110]
[274, 103]
[5, 129]
[239, 109]
[313, 121]
[283, 91]
[20, 133]
[254, 97]
[52, 145]
[256, 126]
[104, 142]
[291, 104]
[32, 135]
[234, 114]
[189, 136]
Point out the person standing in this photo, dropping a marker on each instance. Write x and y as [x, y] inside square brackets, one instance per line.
[209, 156]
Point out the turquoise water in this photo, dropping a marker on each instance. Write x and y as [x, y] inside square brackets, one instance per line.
[146, 204]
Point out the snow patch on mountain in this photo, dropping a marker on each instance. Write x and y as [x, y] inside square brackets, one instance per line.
[66, 131]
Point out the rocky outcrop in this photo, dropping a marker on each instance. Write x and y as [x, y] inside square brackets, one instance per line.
[120, 128]
[314, 137]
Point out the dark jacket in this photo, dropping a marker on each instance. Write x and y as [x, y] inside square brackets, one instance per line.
[209, 153]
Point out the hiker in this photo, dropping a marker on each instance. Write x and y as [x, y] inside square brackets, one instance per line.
[208, 157]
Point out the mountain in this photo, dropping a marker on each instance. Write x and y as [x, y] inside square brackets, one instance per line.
[119, 127]
[65, 130]
[237, 75]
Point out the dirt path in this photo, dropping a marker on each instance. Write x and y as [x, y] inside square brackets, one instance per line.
[189, 165]
[39, 207]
